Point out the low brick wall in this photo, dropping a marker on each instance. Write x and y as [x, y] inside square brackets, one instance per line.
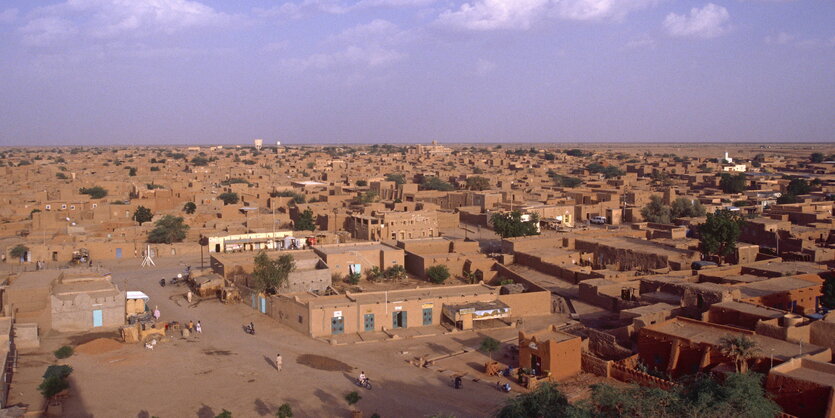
[596, 366]
[628, 375]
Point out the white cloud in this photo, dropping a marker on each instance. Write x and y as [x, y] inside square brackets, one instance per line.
[369, 45]
[307, 7]
[108, 19]
[708, 22]
[522, 14]
[8, 15]
[783, 38]
[47, 30]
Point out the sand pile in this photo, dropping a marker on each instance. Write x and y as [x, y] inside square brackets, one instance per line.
[98, 346]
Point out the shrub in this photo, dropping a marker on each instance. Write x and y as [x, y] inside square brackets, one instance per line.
[438, 273]
[63, 352]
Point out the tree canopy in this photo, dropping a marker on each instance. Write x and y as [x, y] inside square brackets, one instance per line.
[719, 233]
[655, 211]
[142, 215]
[95, 192]
[510, 225]
[683, 207]
[229, 198]
[306, 222]
[271, 273]
[168, 230]
[478, 183]
[434, 183]
[732, 183]
[438, 273]
[739, 395]
[189, 207]
[396, 177]
[608, 171]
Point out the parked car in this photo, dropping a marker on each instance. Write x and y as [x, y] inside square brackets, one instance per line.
[600, 220]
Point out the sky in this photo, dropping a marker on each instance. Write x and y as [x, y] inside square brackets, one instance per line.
[133, 72]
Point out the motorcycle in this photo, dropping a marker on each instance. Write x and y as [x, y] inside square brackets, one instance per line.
[249, 329]
[162, 282]
[363, 384]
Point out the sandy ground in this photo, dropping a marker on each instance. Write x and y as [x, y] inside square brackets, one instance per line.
[224, 368]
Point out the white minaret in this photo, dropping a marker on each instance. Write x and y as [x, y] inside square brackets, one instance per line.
[728, 160]
[259, 143]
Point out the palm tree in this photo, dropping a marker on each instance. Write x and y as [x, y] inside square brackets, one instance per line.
[739, 348]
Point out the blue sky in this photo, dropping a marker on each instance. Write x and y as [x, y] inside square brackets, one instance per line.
[388, 71]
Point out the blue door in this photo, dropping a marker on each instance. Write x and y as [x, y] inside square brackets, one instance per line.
[427, 316]
[337, 325]
[254, 301]
[97, 318]
[263, 304]
[118, 253]
[369, 322]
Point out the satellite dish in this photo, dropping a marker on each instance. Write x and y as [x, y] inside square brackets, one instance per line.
[68, 219]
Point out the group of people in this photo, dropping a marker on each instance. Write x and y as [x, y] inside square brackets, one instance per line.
[192, 327]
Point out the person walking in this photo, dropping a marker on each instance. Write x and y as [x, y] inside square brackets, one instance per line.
[278, 362]
[198, 328]
[188, 296]
[156, 313]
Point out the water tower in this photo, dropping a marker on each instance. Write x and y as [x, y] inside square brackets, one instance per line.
[259, 143]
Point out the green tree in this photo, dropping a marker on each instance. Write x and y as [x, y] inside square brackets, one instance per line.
[798, 186]
[740, 349]
[546, 401]
[719, 233]
[732, 183]
[564, 181]
[132, 171]
[306, 221]
[61, 176]
[397, 178]
[63, 352]
[489, 345]
[510, 225]
[95, 192]
[367, 197]
[478, 183]
[682, 207]
[362, 183]
[284, 411]
[272, 273]
[828, 298]
[298, 198]
[373, 274]
[438, 273]
[199, 161]
[19, 251]
[608, 171]
[55, 380]
[229, 198]
[142, 215]
[575, 152]
[817, 157]
[655, 211]
[168, 230]
[189, 207]
[434, 183]
[395, 272]
[224, 414]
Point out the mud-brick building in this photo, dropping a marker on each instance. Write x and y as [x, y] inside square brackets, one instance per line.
[65, 300]
[550, 352]
[682, 346]
[803, 388]
[321, 316]
[311, 273]
[797, 294]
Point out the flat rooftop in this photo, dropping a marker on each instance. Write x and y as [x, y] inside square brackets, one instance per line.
[35, 279]
[749, 308]
[775, 285]
[550, 334]
[704, 332]
[393, 296]
[347, 248]
[809, 371]
[640, 245]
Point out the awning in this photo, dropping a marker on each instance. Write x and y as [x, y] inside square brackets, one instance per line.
[135, 294]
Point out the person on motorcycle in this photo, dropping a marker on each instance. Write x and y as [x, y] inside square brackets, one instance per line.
[362, 378]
